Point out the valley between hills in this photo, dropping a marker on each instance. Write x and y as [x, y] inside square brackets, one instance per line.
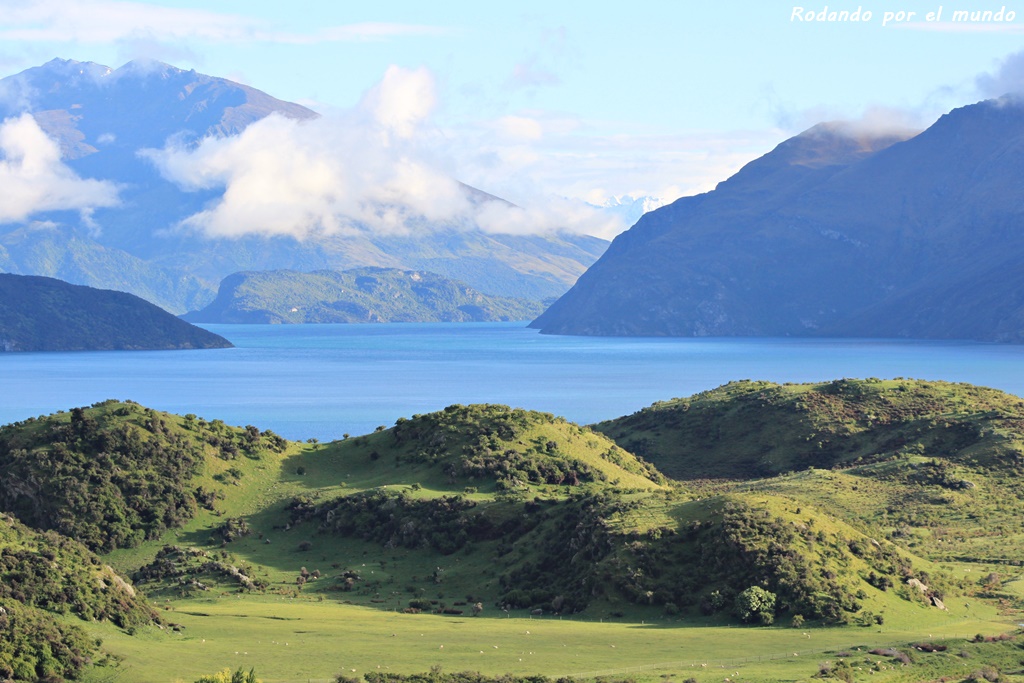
[847, 530]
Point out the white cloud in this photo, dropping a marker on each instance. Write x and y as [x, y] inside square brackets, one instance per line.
[579, 159]
[520, 127]
[539, 68]
[33, 179]
[1006, 79]
[402, 101]
[878, 121]
[148, 47]
[873, 121]
[562, 213]
[381, 167]
[283, 177]
[113, 21]
[386, 166]
[365, 169]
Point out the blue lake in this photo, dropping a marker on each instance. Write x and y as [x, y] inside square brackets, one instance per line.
[325, 380]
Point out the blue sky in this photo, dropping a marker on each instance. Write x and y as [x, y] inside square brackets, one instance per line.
[586, 100]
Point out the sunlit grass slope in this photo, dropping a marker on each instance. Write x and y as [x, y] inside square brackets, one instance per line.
[875, 515]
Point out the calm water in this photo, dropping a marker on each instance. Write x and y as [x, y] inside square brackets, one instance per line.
[324, 380]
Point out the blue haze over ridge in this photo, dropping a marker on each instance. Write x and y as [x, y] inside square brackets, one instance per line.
[841, 231]
[101, 118]
[326, 380]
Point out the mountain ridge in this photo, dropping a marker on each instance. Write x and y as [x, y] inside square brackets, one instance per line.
[860, 247]
[101, 118]
[45, 314]
[359, 295]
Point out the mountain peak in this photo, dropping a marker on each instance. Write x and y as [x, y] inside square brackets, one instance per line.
[100, 124]
[140, 104]
[73, 67]
[813, 156]
[146, 67]
[1007, 109]
[834, 143]
[69, 71]
[858, 230]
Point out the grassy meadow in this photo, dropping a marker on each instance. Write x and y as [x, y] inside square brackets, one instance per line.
[299, 639]
[510, 542]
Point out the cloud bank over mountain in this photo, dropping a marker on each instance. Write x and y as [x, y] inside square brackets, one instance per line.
[1006, 79]
[33, 179]
[381, 166]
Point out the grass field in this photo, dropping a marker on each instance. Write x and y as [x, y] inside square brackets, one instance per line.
[317, 632]
[323, 600]
[291, 640]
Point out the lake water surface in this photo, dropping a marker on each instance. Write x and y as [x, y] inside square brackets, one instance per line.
[325, 380]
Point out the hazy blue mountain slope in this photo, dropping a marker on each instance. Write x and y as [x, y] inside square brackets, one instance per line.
[849, 236]
[43, 314]
[66, 254]
[103, 117]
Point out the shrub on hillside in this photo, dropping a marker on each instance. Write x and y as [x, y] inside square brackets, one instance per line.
[34, 646]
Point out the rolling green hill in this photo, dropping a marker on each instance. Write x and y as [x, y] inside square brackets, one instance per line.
[116, 474]
[746, 430]
[935, 466]
[879, 513]
[43, 314]
[44, 575]
[360, 295]
[55, 573]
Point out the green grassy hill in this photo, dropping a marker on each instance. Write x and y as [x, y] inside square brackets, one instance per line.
[360, 295]
[450, 537]
[934, 466]
[44, 575]
[58, 574]
[116, 474]
[746, 430]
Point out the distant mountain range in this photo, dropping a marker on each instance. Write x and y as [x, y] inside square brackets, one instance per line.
[43, 314]
[360, 295]
[836, 232]
[102, 118]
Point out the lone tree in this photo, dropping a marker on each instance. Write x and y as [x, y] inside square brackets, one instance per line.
[756, 602]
